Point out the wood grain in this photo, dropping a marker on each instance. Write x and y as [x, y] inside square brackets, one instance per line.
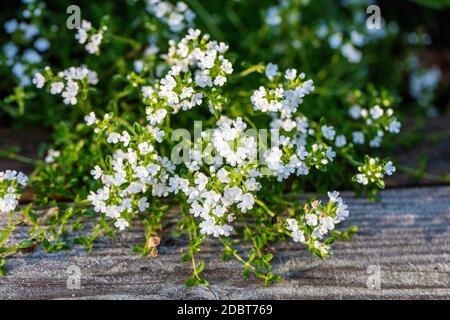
[406, 234]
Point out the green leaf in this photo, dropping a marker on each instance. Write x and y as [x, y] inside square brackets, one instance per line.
[201, 267]
[2, 267]
[192, 281]
[186, 257]
[25, 244]
[380, 184]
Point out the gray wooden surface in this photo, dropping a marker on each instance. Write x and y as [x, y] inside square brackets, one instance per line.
[406, 235]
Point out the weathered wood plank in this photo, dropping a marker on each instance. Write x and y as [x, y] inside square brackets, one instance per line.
[406, 234]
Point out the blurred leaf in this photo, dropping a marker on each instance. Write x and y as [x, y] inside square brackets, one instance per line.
[434, 4]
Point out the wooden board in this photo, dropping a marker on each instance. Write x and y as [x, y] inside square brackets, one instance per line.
[406, 235]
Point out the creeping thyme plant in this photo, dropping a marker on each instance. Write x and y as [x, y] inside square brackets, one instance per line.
[167, 114]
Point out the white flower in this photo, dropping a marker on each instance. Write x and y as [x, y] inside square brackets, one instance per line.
[143, 204]
[222, 175]
[38, 80]
[145, 148]
[210, 227]
[311, 220]
[389, 168]
[97, 172]
[9, 195]
[352, 54]
[273, 17]
[113, 138]
[327, 223]
[219, 211]
[56, 87]
[42, 44]
[296, 234]
[121, 224]
[273, 158]
[355, 111]
[147, 91]
[30, 56]
[125, 138]
[362, 179]
[201, 181]
[252, 185]
[11, 26]
[271, 71]
[22, 179]
[90, 119]
[335, 40]
[247, 202]
[335, 197]
[375, 142]
[358, 137]
[357, 38]
[328, 132]
[341, 141]
[290, 74]
[394, 126]
[376, 112]
[51, 155]
[136, 187]
[330, 154]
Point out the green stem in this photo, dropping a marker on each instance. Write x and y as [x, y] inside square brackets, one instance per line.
[135, 44]
[18, 157]
[259, 68]
[265, 207]
[426, 175]
[238, 257]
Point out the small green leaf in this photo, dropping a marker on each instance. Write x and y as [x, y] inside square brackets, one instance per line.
[25, 244]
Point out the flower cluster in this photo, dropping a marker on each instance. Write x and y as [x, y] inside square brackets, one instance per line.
[284, 98]
[23, 62]
[348, 39]
[316, 221]
[11, 184]
[372, 115]
[373, 171]
[178, 17]
[69, 83]
[140, 170]
[423, 83]
[197, 67]
[90, 37]
[295, 156]
[222, 174]
[336, 40]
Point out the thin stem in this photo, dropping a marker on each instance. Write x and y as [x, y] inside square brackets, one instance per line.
[191, 238]
[250, 234]
[255, 68]
[426, 175]
[135, 44]
[18, 157]
[238, 257]
[265, 207]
